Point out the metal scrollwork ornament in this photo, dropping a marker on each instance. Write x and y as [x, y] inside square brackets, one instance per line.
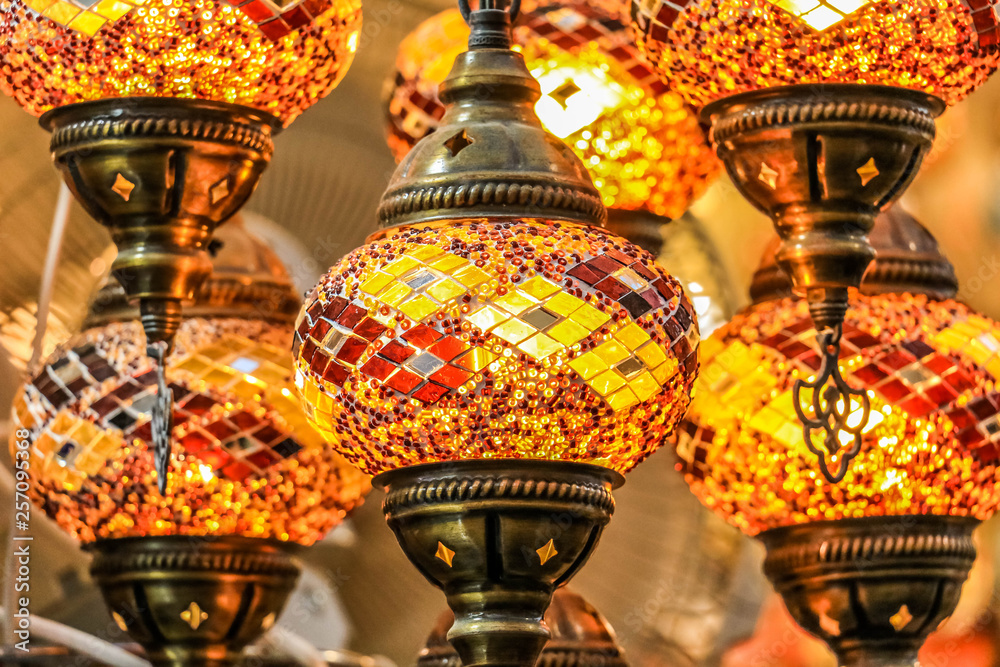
[830, 409]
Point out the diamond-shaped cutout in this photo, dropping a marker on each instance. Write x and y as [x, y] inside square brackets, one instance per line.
[458, 143]
[123, 187]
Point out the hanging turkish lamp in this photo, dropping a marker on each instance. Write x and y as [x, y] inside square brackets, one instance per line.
[874, 563]
[162, 114]
[821, 111]
[199, 571]
[641, 143]
[495, 356]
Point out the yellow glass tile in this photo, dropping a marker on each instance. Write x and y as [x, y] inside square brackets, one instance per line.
[607, 382]
[588, 365]
[476, 359]
[950, 339]
[394, 296]
[590, 317]
[39, 5]
[425, 252]
[487, 317]
[797, 7]
[89, 462]
[611, 352]
[219, 376]
[979, 352]
[375, 284]
[644, 386]
[445, 290]
[622, 399]
[419, 307]
[246, 390]
[470, 276]
[709, 347]
[514, 331]
[401, 266]
[514, 302]
[88, 23]
[568, 332]
[45, 444]
[539, 287]
[665, 371]
[62, 12]
[448, 263]
[766, 421]
[112, 9]
[632, 336]
[325, 403]
[310, 392]
[993, 367]
[563, 304]
[192, 365]
[540, 346]
[651, 354]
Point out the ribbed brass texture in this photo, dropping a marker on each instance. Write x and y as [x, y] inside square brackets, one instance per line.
[874, 588]
[498, 537]
[907, 259]
[581, 637]
[822, 161]
[161, 174]
[490, 157]
[194, 601]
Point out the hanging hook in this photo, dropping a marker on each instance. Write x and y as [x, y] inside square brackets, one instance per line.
[514, 10]
[830, 408]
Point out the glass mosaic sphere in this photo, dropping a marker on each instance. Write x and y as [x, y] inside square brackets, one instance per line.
[708, 49]
[931, 443]
[641, 143]
[477, 339]
[279, 57]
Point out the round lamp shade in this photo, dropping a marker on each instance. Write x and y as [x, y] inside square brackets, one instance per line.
[930, 445]
[641, 143]
[276, 57]
[708, 49]
[245, 459]
[477, 339]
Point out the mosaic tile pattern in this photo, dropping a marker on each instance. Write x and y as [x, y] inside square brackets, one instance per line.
[930, 444]
[642, 144]
[708, 49]
[280, 57]
[246, 460]
[506, 340]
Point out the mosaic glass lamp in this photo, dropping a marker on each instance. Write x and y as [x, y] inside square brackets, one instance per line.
[494, 355]
[196, 572]
[874, 563]
[641, 143]
[821, 111]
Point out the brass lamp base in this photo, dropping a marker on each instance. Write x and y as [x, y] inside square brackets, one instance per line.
[498, 537]
[822, 161]
[161, 174]
[873, 589]
[194, 601]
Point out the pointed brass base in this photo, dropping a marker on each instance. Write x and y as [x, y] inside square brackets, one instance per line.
[498, 537]
[160, 174]
[822, 161]
[194, 601]
[873, 589]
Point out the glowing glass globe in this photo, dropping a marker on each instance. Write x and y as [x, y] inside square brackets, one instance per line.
[709, 49]
[641, 143]
[478, 339]
[931, 443]
[279, 57]
[245, 459]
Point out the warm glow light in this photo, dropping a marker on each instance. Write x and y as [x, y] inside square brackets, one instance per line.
[931, 443]
[245, 462]
[478, 339]
[708, 49]
[278, 57]
[641, 143]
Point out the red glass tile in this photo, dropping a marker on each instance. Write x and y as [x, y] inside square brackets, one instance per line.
[673, 328]
[199, 404]
[589, 33]
[334, 308]
[257, 10]
[664, 289]
[378, 368]
[422, 335]
[195, 442]
[430, 393]
[799, 326]
[959, 381]
[870, 374]
[296, 17]
[812, 360]
[320, 330]
[583, 273]
[448, 348]
[618, 255]
[451, 376]
[143, 432]
[643, 271]
[244, 420]
[775, 341]
[939, 364]
[793, 348]
[262, 459]
[370, 329]
[940, 394]
[604, 264]
[336, 373]
[666, 15]
[308, 350]
[315, 310]
[403, 381]
[304, 327]
[636, 305]
[918, 348]
[351, 316]
[612, 288]
[319, 362]
[215, 458]
[104, 406]
[917, 406]
[988, 453]
[352, 349]
[896, 359]
[267, 434]
[275, 29]
[653, 298]
[237, 471]
[983, 408]
[396, 351]
[220, 429]
[970, 437]
[684, 314]
[893, 390]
